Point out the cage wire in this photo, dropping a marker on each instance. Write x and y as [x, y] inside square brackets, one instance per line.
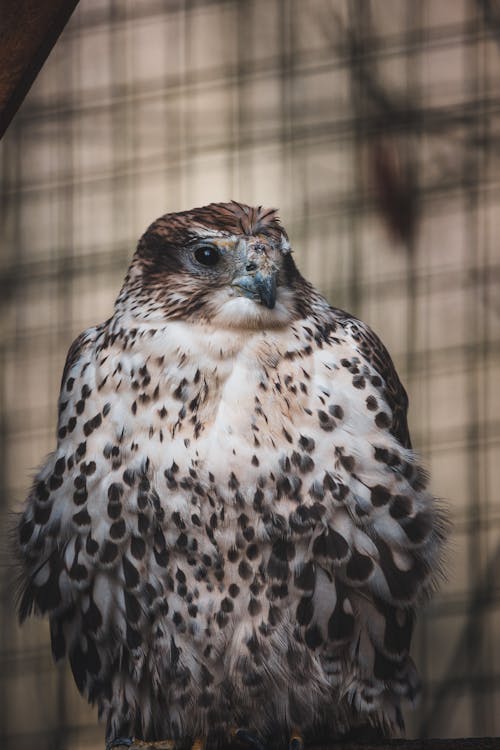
[374, 125]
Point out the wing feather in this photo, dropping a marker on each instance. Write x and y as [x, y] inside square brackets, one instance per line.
[371, 348]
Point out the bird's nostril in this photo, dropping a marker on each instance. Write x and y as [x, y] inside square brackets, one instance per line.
[251, 266]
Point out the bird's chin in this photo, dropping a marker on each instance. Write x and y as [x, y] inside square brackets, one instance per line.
[242, 312]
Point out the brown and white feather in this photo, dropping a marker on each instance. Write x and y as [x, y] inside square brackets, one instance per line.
[233, 528]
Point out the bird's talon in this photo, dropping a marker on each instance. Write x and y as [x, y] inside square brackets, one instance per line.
[119, 742]
[296, 741]
[249, 738]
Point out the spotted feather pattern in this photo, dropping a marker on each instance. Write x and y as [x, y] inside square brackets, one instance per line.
[233, 529]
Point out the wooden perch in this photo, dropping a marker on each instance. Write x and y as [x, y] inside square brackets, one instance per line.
[28, 31]
[471, 743]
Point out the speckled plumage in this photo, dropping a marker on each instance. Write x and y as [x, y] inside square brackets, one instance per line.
[233, 529]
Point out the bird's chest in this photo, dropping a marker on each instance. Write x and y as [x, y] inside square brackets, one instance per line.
[233, 435]
[217, 413]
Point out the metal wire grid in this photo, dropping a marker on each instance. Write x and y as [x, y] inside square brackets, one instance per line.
[374, 125]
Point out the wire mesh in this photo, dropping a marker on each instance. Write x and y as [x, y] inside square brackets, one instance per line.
[375, 126]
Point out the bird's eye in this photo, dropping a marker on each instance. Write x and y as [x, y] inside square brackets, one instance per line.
[207, 255]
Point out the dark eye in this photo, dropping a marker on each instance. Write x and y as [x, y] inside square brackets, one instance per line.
[207, 255]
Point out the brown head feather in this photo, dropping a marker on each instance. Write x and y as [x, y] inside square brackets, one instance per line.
[233, 218]
[164, 275]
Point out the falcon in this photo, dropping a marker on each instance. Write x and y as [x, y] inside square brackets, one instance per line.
[233, 533]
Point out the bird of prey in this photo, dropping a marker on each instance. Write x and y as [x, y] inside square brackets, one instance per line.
[233, 533]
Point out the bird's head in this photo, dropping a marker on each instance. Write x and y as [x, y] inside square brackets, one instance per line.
[226, 263]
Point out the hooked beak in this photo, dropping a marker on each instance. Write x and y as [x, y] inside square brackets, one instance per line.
[259, 278]
[260, 285]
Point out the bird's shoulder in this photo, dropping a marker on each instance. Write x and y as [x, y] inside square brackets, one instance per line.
[81, 348]
[366, 357]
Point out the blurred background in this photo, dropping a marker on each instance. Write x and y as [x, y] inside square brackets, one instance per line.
[374, 125]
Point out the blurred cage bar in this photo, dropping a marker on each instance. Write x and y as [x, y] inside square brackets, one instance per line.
[375, 126]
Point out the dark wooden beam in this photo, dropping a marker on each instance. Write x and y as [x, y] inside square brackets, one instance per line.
[28, 31]
[466, 743]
